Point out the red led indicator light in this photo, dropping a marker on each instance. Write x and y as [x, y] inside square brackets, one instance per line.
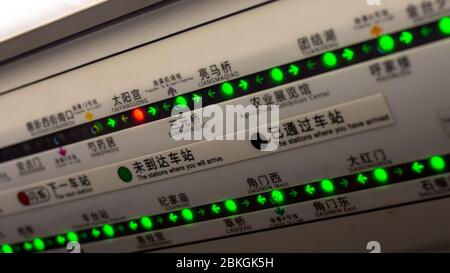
[138, 115]
[23, 198]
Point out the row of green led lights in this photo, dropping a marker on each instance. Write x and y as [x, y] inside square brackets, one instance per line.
[145, 223]
[386, 44]
[276, 197]
[380, 175]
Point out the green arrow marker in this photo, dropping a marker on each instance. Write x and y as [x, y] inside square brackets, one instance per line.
[406, 37]
[246, 203]
[279, 211]
[293, 70]
[196, 98]
[366, 48]
[311, 64]
[215, 209]
[261, 200]
[417, 167]
[211, 93]
[173, 217]
[243, 85]
[120, 229]
[60, 240]
[152, 111]
[362, 179]
[293, 193]
[344, 183]
[27, 246]
[348, 54]
[425, 31]
[201, 212]
[111, 122]
[310, 189]
[259, 79]
[398, 171]
[133, 225]
[166, 106]
[95, 233]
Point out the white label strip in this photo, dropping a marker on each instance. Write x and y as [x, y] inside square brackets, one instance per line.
[340, 120]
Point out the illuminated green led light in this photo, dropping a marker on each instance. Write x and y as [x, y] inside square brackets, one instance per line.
[261, 200]
[187, 215]
[6, 249]
[227, 89]
[60, 240]
[437, 163]
[277, 197]
[111, 122]
[196, 98]
[327, 186]
[173, 217]
[181, 101]
[310, 190]
[362, 179]
[231, 206]
[124, 174]
[243, 85]
[294, 70]
[27, 246]
[108, 230]
[329, 59]
[386, 43]
[417, 167]
[152, 111]
[133, 225]
[216, 209]
[39, 244]
[444, 25]
[146, 223]
[381, 175]
[348, 54]
[406, 37]
[95, 233]
[72, 236]
[276, 74]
